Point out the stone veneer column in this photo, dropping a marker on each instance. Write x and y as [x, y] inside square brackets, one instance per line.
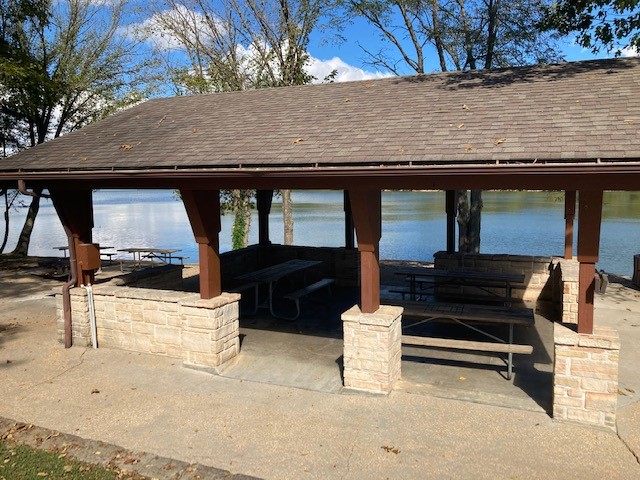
[372, 348]
[585, 378]
[210, 331]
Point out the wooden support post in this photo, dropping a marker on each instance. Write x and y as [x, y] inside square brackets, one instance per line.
[450, 208]
[75, 210]
[366, 205]
[263, 201]
[203, 210]
[569, 215]
[589, 219]
[349, 238]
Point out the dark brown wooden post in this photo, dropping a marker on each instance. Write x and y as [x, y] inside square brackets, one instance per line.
[366, 206]
[263, 201]
[75, 210]
[589, 219]
[450, 208]
[569, 215]
[349, 239]
[203, 210]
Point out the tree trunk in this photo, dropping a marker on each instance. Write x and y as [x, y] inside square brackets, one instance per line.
[6, 220]
[246, 211]
[469, 217]
[473, 230]
[22, 247]
[287, 217]
[462, 205]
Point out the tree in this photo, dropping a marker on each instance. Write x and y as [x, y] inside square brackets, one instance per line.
[460, 35]
[63, 65]
[211, 46]
[612, 24]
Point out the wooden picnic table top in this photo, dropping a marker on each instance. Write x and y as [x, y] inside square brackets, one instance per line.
[468, 312]
[460, 275]
[276, 272]
[164, 251]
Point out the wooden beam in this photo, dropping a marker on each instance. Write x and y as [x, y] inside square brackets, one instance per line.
[366, 206]
[75, 210]
[203, 210]
[263, 201]
[569, 215]
[349, 237]
[589, 219]
[450, 208]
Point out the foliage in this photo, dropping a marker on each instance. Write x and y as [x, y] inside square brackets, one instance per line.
[465, 34]
[63, 64]
[609, 24]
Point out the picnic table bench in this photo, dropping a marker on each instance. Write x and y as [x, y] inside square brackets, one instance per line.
[470, 316]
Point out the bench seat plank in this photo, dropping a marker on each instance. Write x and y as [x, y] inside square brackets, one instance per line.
[309, 289]
[467, 345]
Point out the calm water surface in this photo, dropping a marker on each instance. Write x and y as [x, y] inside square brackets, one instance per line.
[413, 224]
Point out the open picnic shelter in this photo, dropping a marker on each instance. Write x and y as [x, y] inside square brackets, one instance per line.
[572, 127]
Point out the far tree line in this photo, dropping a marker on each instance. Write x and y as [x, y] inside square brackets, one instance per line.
[66, 63]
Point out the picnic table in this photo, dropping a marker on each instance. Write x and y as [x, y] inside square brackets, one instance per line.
[425, 280]
[142, 254]
[469, 316]
[271, 275]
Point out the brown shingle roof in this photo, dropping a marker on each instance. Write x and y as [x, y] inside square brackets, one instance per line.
[569, 112]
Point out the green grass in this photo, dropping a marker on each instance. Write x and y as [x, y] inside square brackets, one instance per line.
[20, 462]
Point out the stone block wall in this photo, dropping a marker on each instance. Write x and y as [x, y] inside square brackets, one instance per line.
[566, 275]
[372, 348]
[537, 271]
[585, 378]
[204, 333]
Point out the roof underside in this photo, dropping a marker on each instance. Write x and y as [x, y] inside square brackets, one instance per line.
[573, 112]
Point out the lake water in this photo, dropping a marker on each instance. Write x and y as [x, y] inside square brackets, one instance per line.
[413, 224]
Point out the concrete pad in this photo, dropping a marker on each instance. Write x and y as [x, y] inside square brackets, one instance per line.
[153, 404]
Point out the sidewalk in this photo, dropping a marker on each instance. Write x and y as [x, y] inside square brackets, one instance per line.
[153, 404]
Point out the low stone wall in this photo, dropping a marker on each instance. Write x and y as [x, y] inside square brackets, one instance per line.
[565, 291]
[372, 348]
[537, 271]
[204, 333]
[585, 378]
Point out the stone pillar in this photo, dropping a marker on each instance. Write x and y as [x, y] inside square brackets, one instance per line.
[210, 331]
[585, 376]
[80, 328]
[372, 348]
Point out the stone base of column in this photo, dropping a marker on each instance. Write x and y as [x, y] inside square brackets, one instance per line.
[585, 378]
[372, 348]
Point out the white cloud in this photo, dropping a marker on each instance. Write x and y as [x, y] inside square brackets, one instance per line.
[630, 52]
[159, 28]
[346, 73]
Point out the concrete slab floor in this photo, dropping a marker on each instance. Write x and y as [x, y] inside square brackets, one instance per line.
[153, 404]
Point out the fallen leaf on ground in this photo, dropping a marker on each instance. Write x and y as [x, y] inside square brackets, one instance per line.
[468, 148]
[95, 390]
[465, 107]
[297, 140]
[499, 141]
[391, 450]
[462, 379]
[125, 146]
